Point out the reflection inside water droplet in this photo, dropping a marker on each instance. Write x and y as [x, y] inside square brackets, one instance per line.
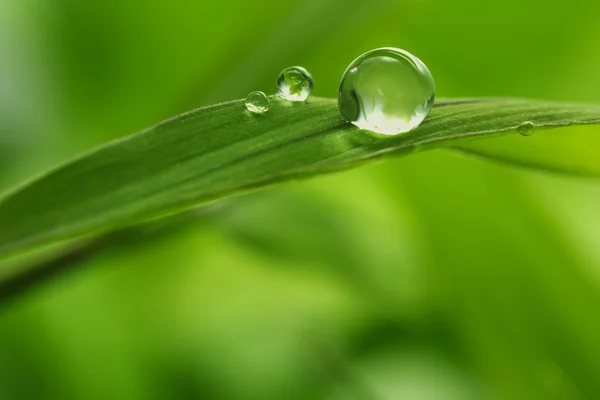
[387, 91]
[294, 84]
[526, 128]
[257, 103]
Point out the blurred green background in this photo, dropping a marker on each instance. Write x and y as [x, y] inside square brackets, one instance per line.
[434, 276]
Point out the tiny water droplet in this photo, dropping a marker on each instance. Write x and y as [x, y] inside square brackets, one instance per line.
[387, 90]
[257, 103]
[294, 84]
[526, 128]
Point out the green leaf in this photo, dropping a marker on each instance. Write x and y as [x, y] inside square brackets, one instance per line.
[223, 150]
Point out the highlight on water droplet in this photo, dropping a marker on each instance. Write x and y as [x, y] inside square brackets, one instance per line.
[294, 84]
[387, 91]
[258, 103]
[526, 128]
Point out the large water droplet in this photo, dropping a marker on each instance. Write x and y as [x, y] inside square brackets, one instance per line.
[526, 128]
[257, 103]
[387, 91]
[294, 84]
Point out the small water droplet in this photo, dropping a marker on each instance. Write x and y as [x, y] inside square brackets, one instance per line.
[387, 90]
[526, 128]
[257, 103]
[294, 84]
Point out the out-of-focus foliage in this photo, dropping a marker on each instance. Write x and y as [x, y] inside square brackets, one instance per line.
[434, 276]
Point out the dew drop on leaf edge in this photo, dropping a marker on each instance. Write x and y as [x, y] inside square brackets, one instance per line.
[257, 103]
[294, 84]
[387, 91]
[526, 128]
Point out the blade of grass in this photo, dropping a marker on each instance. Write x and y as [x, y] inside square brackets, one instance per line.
[222, 150]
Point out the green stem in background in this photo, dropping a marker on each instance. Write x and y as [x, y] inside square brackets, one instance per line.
[30, 271]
